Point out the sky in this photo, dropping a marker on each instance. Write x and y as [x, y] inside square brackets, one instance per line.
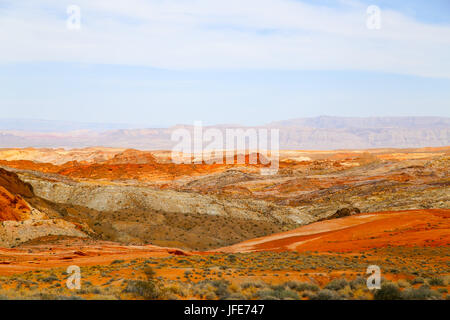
[161, 63]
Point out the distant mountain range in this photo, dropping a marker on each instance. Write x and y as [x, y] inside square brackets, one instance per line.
[319, 133]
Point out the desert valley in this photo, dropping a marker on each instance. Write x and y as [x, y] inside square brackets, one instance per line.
[141, 227]
[197, 159]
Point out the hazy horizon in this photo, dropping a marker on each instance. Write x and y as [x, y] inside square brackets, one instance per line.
[46, 125]
[317, 133]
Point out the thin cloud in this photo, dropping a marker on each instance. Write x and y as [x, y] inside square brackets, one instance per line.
[232, 34]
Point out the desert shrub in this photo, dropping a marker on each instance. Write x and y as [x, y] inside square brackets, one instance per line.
[388, 291]
[358, 282]
[337, 284]
[146, 289]
[201, 290]
[95, 291]
[403, 283]
[309, 294]
[210, 296]
[236, 296]
[417, 280]
[278, 293]
[326, 294]
[253, 284]
[149, 273]
[346, 293]
[422, 293]
[435, 281]
[50, 279]
[302, 286]
[265, 294]
[286, 293]
[177, 289]
[72, 297]
[362, 294]
[220, 287]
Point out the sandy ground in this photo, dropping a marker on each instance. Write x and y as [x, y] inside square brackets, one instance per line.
[74, 251]
[359, 232]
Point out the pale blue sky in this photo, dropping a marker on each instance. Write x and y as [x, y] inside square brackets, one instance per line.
[157, 63]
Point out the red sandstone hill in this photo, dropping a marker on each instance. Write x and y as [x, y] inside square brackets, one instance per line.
[12, 205]
[359, 232]
[11, 182]
[135, 164]
[131, 156]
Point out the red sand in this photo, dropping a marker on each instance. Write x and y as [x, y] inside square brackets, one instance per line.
[429, 228]
[74, 252]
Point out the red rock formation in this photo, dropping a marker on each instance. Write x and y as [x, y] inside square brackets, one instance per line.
[12, 207]
[11, 182]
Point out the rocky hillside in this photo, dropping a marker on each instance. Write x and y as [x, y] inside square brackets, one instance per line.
[137, 197]
[13, 207]
[20, 221]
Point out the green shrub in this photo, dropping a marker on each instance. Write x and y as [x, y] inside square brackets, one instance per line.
[302, 286]
[388, 291]
[266, 294]
[403, 283]
[236, 296]
[358, 282]
[417, 280]
[253, 284]
[210, 296]
[337, 284]
[436, 281]
[146, 289]
[286, 293]
[326, 294]
[50, 279]
[277, 293]
[422, 293]
[220, 287]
